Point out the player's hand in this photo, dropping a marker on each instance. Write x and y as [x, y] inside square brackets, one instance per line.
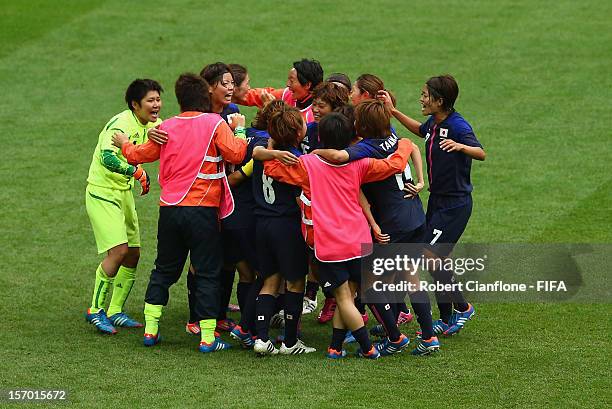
[158, 136]
[286, 158]
[412, 190]
[386, 98]
[235, 120]
[266, 97]
[379, 236]
[449, 145]
[142, 176]
[119, 138]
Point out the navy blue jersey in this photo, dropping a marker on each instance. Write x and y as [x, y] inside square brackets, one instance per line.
[311, 140]
[393, 213]
[244, 202]
[273, 198]
[229, 109]
[448, 172]
[254, 132]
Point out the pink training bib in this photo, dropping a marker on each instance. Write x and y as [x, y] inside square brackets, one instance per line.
[339, 223]
[181, 159]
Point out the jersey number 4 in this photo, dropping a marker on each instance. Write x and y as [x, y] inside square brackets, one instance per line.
[268, 189]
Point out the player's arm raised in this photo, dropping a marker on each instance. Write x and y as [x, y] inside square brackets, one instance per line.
[411, 124]
[380, 169]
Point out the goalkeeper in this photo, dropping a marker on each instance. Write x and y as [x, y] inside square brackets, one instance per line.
[111, 209]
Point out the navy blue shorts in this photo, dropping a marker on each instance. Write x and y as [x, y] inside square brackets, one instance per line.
[447, 218]
[239, 245]
[281, 248]
[333, 275]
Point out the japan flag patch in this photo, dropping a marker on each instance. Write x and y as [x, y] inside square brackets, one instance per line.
[443, 132]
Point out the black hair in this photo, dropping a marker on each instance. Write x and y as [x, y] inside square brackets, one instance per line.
[213, 73]
[239, 72]
[443, 87]
[192, 93]
[335, 131]
[340, 78]
[138, 89]
[309, 71]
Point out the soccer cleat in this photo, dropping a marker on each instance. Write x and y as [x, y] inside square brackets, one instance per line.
[349, 338]
[193, 328]
[101, 321]
[426, 346]
[371, 354]
[151, 339]
[458, 320]
[298, 349]
[225, 325]
[233, 308]
[309, 306]
[278, 320]
[333, 354]
[378, 331]
[245, 338]
[327, 312]
[439, 327]
[121, 319]
[388, 347]
[365, 318]
[404, 318]
[216, 345]
[264, 348]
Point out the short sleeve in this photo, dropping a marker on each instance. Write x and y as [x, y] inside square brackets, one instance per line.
[359, 151]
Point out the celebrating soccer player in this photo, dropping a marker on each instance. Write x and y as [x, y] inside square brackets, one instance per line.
[450, 146]
[111, 209]
[194, 195]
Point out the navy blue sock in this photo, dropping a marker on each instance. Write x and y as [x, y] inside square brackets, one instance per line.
[395, 310]
[360, 306]
[422, 309]
[280, 303]
[361, 335]
[443, 298]
[264, 310]
[191, 296]
[338, 336]
[242, 291]
[312, 288]
[327, 293]
[384, 314]
[227, 285]
[247, 316]
[402, 307]
[293, 312]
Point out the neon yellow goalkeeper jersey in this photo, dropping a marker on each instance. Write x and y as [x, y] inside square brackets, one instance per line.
[108, 166]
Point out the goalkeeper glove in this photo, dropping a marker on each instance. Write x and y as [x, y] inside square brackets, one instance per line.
[142, 176]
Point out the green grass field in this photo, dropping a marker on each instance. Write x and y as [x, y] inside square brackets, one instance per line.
[535, 83]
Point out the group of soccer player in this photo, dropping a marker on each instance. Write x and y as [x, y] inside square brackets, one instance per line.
[288, 202]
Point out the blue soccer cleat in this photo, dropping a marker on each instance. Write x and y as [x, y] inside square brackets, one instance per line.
[101, 321]
[333, 354]
[245, 338]
[216, 345]
[459, 319]
[378, 331]
[371, 354]
[439, 327]
[388, 347]
[121, 319]
[349, 338]
[426, 346]
[151, 339]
